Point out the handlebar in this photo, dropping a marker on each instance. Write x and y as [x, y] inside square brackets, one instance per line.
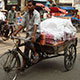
[11, 24]
[21, 38]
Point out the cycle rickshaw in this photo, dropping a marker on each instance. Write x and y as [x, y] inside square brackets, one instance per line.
[12, 59]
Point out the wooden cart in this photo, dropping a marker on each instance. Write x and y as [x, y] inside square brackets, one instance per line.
[66, 49]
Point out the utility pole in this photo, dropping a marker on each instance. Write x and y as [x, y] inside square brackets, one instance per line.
[72, 3]
[22, 4]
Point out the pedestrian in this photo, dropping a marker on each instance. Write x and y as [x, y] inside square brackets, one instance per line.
[18, 18]
[32, 20]
[12, 17]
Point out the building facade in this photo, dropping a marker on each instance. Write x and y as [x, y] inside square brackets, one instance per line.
[10, 3]
[75, 2]
[21, 3]
[72, 2]
[65, 1]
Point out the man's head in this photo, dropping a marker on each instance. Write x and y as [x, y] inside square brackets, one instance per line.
[50, 1]
[13, 8]
[31, 5]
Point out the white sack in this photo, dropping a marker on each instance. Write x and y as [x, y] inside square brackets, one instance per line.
[2, 16]
[57, 27]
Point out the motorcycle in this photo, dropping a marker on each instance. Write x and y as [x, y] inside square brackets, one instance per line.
[5, 27]
[4, 30]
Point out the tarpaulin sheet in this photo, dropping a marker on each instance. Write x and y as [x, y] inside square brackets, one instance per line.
[66, 8]
[57, 27]
[56, 9]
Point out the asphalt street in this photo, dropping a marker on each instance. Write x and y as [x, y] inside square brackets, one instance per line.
[49, 69]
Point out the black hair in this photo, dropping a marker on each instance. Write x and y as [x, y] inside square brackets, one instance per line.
[38, 8]
[33, 2]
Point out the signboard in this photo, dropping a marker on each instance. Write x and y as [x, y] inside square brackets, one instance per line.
[65, 1]
[41, 0]
[12, 2]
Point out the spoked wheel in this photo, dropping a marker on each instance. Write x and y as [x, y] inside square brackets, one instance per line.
[70, 57]
[10, 63]
[4, 38]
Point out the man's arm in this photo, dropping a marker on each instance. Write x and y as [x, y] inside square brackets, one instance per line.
[20, 27]
[15, 16]
[36, 24]
[8, 17]
[34, 32]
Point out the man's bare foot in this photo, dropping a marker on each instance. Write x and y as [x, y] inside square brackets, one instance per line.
[35, 58]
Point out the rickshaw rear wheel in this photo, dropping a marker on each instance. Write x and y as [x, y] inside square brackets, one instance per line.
[70, 57]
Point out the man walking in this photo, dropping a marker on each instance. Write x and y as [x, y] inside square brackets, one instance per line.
[12, 17]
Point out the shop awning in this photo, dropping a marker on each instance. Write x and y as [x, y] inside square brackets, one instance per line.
[66, 8]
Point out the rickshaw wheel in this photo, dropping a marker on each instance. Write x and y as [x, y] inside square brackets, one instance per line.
[70, 57]
[4, 38]
[9, 64]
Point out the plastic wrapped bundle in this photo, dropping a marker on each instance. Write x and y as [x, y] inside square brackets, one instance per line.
[57, 29]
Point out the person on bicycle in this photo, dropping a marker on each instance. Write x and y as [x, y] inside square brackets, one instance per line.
[31, 19]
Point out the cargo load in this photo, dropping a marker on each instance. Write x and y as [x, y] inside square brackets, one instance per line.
[57, 29]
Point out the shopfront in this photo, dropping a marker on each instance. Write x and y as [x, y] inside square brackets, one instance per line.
[10, 3]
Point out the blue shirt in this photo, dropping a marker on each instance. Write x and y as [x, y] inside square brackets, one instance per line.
[19, 20]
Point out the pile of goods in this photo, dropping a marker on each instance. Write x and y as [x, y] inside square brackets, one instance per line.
[56, 30]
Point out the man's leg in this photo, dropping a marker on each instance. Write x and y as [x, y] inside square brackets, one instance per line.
[26, 61]
[26, 53]
[30, 46]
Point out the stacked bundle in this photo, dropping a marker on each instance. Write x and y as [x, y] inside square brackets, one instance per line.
[57, 30]
[49, 38]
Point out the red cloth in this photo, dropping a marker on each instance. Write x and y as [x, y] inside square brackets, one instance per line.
[57, 10]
